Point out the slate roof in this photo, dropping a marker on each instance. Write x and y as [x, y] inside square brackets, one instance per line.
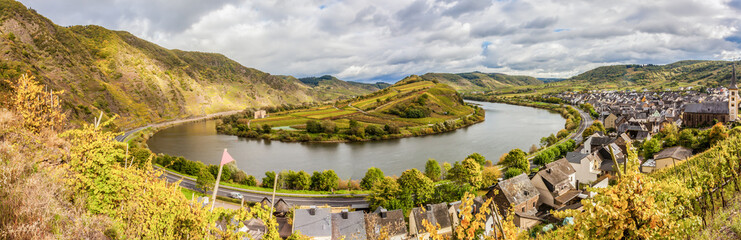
[281, 206]
[318, 224]
[557, 171]
[437, 214]
[518, 189]
[348, 225]
[649, 163]
[575, 157]
[678, 152]
[707, 107]
[393, 221]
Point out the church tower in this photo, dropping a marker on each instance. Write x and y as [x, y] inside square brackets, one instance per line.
[733, 97]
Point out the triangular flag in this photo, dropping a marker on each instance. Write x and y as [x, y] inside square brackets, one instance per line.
[226, 158]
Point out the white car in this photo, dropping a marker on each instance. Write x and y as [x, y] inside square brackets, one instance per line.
[235, 195]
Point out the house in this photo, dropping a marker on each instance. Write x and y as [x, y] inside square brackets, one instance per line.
[260, 114]
[432, 213]
[390, 222]
[281, 208]
[254, 228]
[348, 225]
[610, 121]
[516, 193]
[315, 223]
[284, 228]
[585, 165]
[665, 158]
[556, 184]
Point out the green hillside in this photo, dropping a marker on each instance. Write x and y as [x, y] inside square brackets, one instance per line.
[691, 72]
[411, 107]
[119, 73]
[478, 81]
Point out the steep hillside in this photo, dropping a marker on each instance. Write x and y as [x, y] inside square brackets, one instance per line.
[333, 88]
[694, 72]
[478, 81]
[118, 73]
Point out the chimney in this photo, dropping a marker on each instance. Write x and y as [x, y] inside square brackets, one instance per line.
[312, 210]
[383, 213]
[344, 213]
[428, 207]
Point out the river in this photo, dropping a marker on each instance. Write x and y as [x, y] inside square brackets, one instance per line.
[506, 127]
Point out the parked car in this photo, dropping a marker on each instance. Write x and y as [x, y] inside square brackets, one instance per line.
[235, 195]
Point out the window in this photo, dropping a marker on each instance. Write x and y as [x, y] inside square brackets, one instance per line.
[523, 209]
[533, 204]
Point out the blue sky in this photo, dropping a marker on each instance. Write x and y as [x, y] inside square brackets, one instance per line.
[389, 39]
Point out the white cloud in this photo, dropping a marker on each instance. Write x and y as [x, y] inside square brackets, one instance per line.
[389, 39]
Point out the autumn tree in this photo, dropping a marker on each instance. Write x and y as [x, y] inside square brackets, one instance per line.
[717, 133]
[480, 159]
[468, 171]
[205, 181]
[516, 159]
[490, 175]
[388, 194]
[39, 108]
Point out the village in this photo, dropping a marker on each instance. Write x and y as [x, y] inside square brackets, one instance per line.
[629, 117]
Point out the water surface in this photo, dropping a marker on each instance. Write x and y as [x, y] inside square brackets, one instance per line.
[506, 127]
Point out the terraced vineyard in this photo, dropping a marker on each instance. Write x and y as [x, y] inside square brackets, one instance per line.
[429, 102]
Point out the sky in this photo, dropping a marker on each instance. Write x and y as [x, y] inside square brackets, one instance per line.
[386, 40]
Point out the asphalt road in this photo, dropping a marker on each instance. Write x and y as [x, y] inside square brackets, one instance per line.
[586, 121]
[339, 200]
[257, 196]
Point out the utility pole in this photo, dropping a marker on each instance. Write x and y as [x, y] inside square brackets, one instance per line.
[275, 186]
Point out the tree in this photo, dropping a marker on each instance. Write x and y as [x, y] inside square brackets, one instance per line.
[386, 193]
[717, 133]
[416, 183]
[478, 157]
[490, 176]
[651, 147]
[316, 180]
[533, 149]
[38, 108]
[268, 180]
[516, 159]
[372, 176]
[512, 172]
[468, 171]
[450, 192]
[329, 180]
[314, 126]
[301, 181]
[250, 181]
[445, 170]
[432, 170]
[239, 177]
[374, 130]
[205, 181]
[687, 138]
[266, 128]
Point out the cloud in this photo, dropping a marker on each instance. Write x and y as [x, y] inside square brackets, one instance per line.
[389, 39]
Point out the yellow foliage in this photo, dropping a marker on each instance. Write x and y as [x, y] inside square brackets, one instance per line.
[38, 108]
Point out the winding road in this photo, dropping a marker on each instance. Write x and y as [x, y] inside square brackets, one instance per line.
[333, 200]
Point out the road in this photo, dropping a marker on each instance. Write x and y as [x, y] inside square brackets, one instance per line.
[257, 196]
[128, 133]
[585, 122]
[583, 126]
[336, 200]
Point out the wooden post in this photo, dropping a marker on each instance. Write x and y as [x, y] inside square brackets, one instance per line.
[216, 187]
[275, 185]
[242, 205]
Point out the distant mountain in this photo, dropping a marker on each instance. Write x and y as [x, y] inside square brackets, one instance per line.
[119, 73]
[478, 81]
[706, 73]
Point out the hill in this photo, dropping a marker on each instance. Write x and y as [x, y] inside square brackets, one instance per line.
[411, 107]
[690, 72]
[478, 81]
[119, 73]
[333, 88]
